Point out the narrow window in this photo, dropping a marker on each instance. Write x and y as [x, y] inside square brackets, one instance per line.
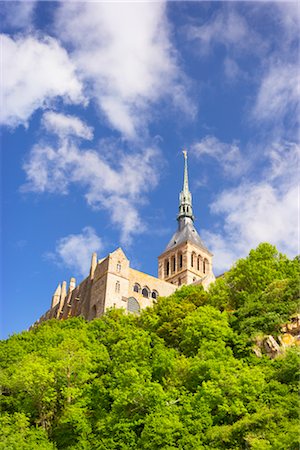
[179, 281]
[117, 287]
[168, 268]
[173, 264]
[180, 261]
[154, 294]
[119, 267]
[198, 263]
[192, 260]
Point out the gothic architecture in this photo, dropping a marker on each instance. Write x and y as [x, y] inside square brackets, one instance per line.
[113, 283]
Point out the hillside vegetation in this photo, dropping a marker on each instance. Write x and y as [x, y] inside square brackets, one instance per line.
[182, 375]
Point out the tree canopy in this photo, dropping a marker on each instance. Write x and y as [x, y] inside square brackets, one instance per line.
[181, 375]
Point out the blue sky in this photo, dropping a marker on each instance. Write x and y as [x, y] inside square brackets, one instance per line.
[98, 101]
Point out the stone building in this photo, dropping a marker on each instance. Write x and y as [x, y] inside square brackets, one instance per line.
[113, 283]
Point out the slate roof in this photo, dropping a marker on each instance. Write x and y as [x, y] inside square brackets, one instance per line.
[186, 232]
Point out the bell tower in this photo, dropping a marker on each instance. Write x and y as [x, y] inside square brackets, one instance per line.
[186, 260]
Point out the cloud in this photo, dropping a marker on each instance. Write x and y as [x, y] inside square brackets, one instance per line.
[118, 186]
[124, 55]
[232, 70]
[226, 28]
[35, 72]
[74, 251]
[264, 211]
[227, 155]
[66, 125]
[278, 94]
[17, 15]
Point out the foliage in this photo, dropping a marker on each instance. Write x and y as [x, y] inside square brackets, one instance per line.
[182, 375]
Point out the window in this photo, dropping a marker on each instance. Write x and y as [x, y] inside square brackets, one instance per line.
[145, 292]
[119, 267]
[117, 287]
[94, 311]
[154, 294]
[180, 260]
[167, 268]
[198, 262]
[136, 287]
[133, 305]
[179, 281]
[192, 260]
[205, 265]
[173, 264]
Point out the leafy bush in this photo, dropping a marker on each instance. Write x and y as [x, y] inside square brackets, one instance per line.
[182, 375]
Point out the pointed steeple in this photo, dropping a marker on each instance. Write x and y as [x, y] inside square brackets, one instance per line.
[185, 197]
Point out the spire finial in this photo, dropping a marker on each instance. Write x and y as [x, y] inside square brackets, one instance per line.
[186, 177]
[185, 197]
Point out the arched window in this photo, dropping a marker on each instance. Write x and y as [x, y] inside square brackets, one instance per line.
[205, 265]
[154, 294]
[145, 292]
[119, 267]
[173, 264]
[136, 287]
[180, 260]
[133, 305]
[199, 262]
[117, 287]
[193, 259]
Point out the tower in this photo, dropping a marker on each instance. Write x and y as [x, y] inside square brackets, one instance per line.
[186, 259]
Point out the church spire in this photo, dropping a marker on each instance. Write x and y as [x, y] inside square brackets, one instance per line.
[185, 197]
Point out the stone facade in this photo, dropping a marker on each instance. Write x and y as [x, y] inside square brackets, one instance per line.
[185, 264]
[112, 283]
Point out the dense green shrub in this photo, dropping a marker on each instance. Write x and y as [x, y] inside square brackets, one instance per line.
[182, 375]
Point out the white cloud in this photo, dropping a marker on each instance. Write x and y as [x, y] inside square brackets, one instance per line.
[265, 211]
[232, 70]
[124, 54]
[228, 155]
[66, 125]
[227, 28]
[34, 73]
[74, 251]
[278, 93]
[17, 14]
[118, 186]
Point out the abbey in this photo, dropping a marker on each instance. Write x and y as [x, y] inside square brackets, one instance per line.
[113, 283]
